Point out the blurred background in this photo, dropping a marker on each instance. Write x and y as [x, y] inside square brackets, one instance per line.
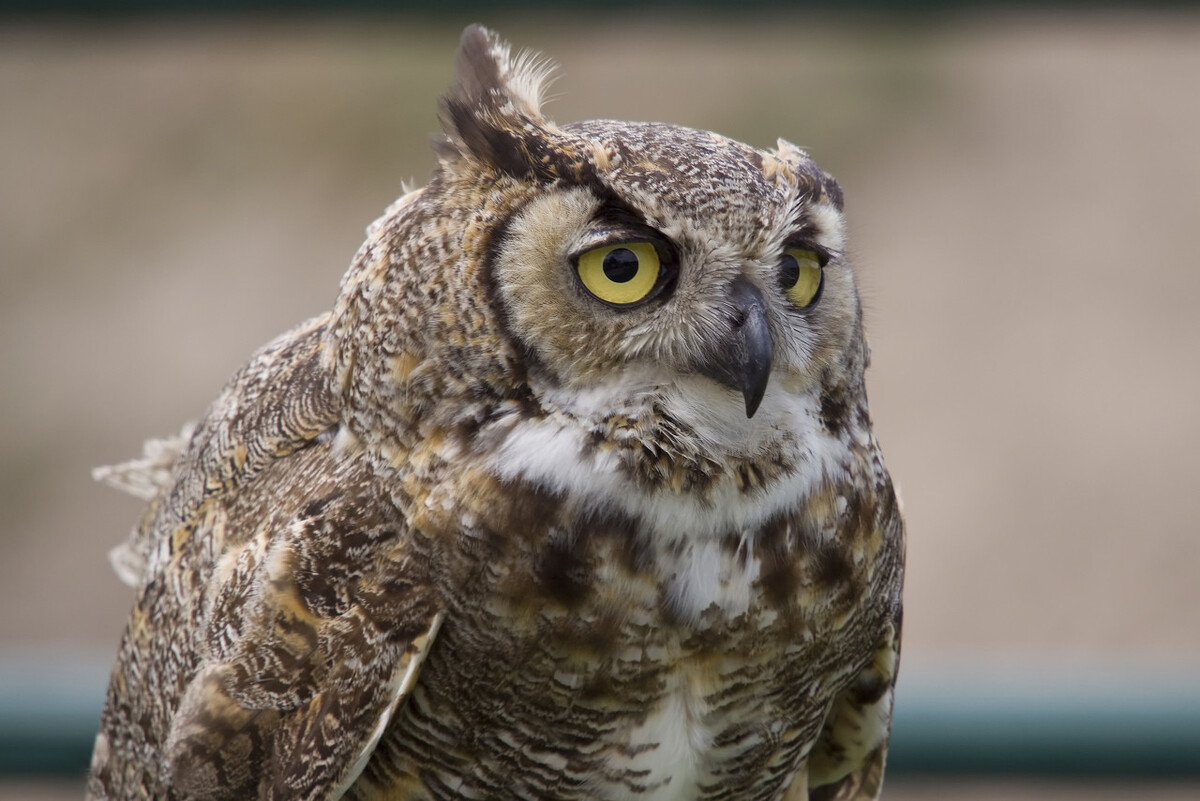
[1023, 191]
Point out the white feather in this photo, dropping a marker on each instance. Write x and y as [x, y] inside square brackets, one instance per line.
[673, 767]
[550, 452]
[527, 76]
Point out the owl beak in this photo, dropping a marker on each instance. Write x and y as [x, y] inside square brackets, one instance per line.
[744, 361]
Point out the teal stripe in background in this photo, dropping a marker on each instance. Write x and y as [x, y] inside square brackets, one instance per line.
[977, 717]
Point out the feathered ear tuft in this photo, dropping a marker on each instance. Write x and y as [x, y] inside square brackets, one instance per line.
[819, 185]
[487, 73]
[494, 103]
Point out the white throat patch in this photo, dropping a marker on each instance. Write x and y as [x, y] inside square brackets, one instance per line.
[555, 453]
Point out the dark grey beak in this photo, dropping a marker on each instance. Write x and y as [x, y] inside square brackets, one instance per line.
[743, 360]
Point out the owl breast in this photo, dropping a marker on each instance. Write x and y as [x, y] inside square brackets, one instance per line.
[590, 681]
[624, 639]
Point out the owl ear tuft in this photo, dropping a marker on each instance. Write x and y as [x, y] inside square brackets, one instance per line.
[818, 184]
[487, 73]
[495, 103]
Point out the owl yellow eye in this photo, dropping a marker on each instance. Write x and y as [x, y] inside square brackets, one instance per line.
[622, 274]
[801, 276]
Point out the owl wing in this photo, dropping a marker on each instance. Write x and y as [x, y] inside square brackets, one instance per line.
[846, 764]
[279, 621]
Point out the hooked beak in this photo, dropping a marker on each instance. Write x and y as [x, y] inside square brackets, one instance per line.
[743, 359]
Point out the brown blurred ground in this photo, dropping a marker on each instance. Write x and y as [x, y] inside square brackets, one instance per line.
[1024, 200]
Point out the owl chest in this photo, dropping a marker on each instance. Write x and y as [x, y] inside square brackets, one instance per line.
[606, 677]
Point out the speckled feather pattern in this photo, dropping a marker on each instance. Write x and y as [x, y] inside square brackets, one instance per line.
[474, 534]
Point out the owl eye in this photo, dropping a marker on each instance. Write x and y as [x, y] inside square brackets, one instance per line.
[801, 276]
[622, 274]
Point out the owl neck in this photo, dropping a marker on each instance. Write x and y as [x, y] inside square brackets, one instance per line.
[682, 459]
[656, 480]
[679, 457]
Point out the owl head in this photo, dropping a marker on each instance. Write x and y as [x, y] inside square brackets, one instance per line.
[598, 270]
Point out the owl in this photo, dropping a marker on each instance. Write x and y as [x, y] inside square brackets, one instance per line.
[572, 495]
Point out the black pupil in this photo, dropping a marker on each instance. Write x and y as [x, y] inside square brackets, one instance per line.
[620, 265]
[789, 271]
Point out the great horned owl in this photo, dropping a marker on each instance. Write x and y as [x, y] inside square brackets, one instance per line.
[573, 495]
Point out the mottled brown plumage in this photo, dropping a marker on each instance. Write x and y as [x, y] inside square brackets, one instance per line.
[486, 531]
